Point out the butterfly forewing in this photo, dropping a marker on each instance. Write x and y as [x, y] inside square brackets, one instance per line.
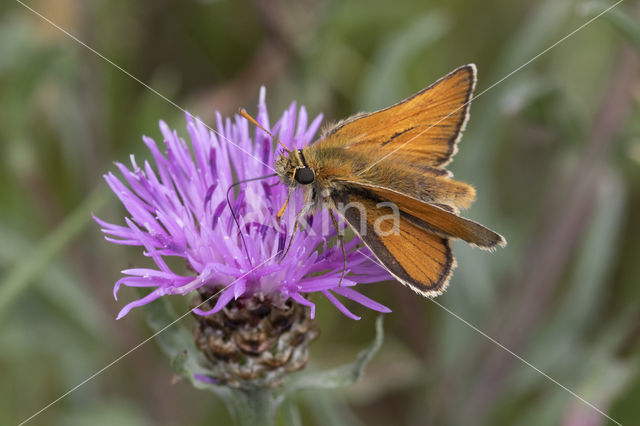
[437, 219]
[422, 130]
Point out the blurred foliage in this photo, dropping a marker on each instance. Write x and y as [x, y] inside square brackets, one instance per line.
[554, 152]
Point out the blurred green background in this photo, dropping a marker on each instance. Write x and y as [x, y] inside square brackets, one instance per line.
[554, 152]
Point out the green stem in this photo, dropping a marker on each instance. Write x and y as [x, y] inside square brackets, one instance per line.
[253, 407]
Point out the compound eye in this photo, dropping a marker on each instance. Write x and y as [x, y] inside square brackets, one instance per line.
[304, 175]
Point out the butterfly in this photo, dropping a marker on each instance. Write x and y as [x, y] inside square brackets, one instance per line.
[384, 174]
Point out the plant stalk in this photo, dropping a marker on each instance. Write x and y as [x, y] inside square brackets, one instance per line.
[253, 406]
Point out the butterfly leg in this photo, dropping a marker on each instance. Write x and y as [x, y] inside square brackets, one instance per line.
[341, 240]
[284, 206]
[293, 234]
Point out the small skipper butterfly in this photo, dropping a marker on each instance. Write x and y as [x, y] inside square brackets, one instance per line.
[397, 157]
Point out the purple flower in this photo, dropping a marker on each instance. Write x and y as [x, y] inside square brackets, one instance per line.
[179, 208]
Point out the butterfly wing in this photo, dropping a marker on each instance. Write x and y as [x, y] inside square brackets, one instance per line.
[438, 219]
[418, 258]
[422, 130]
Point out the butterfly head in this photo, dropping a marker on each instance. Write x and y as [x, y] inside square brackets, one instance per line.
[293, 169]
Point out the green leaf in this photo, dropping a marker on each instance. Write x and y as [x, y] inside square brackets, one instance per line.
[386, 80]
[25, 272]
[341, 376]
[617, 17]
[597, 254]
[60, 288]
[606, 382]
[537, 33]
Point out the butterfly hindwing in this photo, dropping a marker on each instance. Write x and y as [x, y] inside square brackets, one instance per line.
[437, 218]
[418, 258]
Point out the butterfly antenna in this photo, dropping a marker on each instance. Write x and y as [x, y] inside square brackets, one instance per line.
[235, 218]
[246, 115]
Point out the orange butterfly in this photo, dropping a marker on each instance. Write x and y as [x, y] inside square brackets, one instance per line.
[390, 165]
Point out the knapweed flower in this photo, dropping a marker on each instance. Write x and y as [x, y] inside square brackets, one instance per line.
[179, 209]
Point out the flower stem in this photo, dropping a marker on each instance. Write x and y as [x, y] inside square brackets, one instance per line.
[253, 406]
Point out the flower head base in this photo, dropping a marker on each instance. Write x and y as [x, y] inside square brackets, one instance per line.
[254, 341]
[180, 209]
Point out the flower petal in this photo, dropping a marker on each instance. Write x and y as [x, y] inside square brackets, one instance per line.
[339, 305]
[140, 302]
[301, 300]
[224, 298]
[361, 299]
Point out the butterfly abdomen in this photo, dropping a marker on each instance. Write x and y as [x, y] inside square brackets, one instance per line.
[437, 190]
[427, 186]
